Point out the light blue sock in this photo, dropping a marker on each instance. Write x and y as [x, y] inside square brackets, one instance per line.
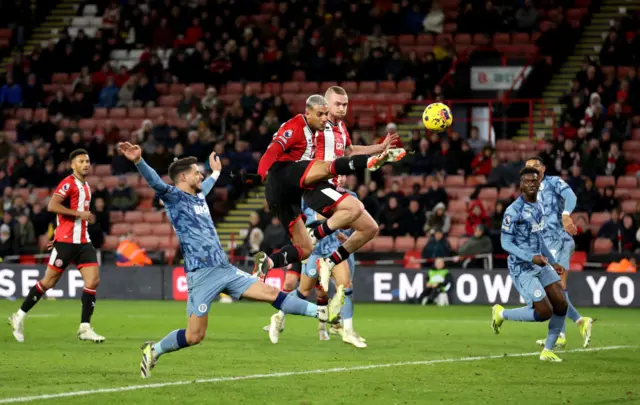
[291, 304]
[555, 327]
[523, 314]
[347, 308]
[572, 312]
[175, 340]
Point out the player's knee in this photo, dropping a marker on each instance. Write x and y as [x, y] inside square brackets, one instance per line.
[371, 230]
[544, 312]
[92, 283]
[290, 284]
[305, 250]
[560, 307]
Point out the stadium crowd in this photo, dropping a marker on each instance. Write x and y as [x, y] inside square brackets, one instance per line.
[214, 42]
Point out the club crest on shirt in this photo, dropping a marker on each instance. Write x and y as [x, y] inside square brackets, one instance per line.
[339, 145]
[288, 133]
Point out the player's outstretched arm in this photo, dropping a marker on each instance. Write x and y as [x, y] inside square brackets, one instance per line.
[372, 149]
[570, 201]
[134, 154]
[506, 240]
[216, 167]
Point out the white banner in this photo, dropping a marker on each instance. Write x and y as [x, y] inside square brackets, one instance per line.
[497, 77]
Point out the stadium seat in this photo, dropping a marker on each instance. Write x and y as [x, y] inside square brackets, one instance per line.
[110, 182]
[141, 229]
[383, 244]
[133, 179]
[605, 181]
[421, 243]
[454, 242]
[368, 247]
[164, 230]
[111, 242]
[629, 207]
[602, 246]
[506, 193]
[457, 230]
[116, 216]
[117, 113]
[457, 206]
[476, 180]
[155, 217]
[599, 218]
[148, 242]
[488, 193]
[405, 243]
[102, 170]
[454, 181]
[460, 193]
[350, 87]
[133, 217]
[578, 260]
[121, 228]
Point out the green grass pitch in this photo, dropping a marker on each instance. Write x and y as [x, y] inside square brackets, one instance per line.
[438, 355]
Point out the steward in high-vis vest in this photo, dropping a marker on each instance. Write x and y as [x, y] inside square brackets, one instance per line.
[130, 253]
[439, 280]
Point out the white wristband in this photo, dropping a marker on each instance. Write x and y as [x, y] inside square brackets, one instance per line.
[215, 174]
[566, 213]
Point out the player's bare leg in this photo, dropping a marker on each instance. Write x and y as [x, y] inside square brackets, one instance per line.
[365, 228]
[326, 170]
[91, 277]
[291, 304]
[16, 320]
[298, 251]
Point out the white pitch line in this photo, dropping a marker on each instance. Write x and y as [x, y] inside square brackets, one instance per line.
[288, 374]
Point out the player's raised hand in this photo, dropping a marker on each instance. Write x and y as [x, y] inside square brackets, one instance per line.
[540, 260]
[130, 151]
[559, 269]
[568, 225]
[214, 162]
[389, 141]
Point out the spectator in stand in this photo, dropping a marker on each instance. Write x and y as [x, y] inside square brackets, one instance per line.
[437, 246]
[438, 220]
[391, 218]
[496, 219]
[476, 216]
[434, 21]
[436, 194]
[188, 102]
[145, 93]
[60, 105]
[41, 219]
[608, 201]
[24, 236]
[254, 235]
[81, 107]
[481, 164]
[368, 199]
[210, 101]
[584, 237]
[611, 228]
[10, 93]
[6, 242]
[589, 198]
[274, 236]
[527, 17]
[32, 93]
[103, 220]
[628, 230]
[615, 164]
[123, 197]
[144, 131]
[567, 157]
[125, 96]
[414, 220]
[576, 180]
[27, 173]
[109, 94]
[478, 243]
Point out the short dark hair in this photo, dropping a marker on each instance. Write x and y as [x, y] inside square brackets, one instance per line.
[528, 170]
[180, 166]
[77, 153]
[538, 158]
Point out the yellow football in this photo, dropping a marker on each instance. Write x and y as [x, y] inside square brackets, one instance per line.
[437, 117]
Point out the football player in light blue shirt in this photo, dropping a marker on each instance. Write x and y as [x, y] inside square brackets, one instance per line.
[533, 269]
[207, 267]
[559, 201]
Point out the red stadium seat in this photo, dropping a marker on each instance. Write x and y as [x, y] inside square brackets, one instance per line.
[165, 243]
[457, 230]
[133, 217]
[602, 246]
[349, 87]
[460, 193]
[463, 39]
[488, 193]
[121, 228]
[521, 38]
[627, 182]
[155, 217]
[111, 242]
[629, 207]
[272, 87]
[165, 230]
[425, 39]
[388, 86]
[454, 241]
[475, 180]
[141, 229]
[599, 218]
[117, 113]
[406, 40]
[421, 243]
[506, 193]
[137, 113]
[409, 181]
[368, 87]
[454, 181]
[110, 182]
[605, 181]
[102, 170]
[116, 216]
[457, 206]
[404, 243]
[149, 243]
[406, 86]
[291, 87]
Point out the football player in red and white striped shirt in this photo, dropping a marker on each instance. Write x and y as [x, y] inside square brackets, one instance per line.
[71, 244]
